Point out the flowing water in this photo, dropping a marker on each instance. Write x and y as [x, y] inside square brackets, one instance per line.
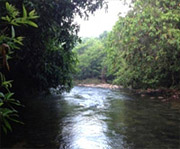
[95, 118]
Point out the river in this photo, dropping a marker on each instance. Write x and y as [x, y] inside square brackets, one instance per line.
[96, 118]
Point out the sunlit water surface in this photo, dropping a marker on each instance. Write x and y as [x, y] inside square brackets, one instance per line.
[95, 118]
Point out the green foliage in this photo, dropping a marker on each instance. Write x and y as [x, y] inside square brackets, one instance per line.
[8, 43]
[47, 59]
[90, 56]
[13, 18]
[143, 47]
[7, 103]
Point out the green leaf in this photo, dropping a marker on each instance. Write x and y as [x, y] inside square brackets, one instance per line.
[7, 125]
[7, 6]
[7, 83]
[6, 112]
[33, 17]
[15, 102]
[14, 120]
[4, 129]
[20, 38]
[13, 22]
[3, 18]
[8, 19]
[18, 41]
[1, 94]
[9, 95]
[24, 12]
[32, 13]
[32, 23]
[12, 31]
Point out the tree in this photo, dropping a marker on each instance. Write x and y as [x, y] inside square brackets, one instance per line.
[143, 48]
[47, 59]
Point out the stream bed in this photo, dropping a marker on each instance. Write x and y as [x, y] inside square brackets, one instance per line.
[96, 118]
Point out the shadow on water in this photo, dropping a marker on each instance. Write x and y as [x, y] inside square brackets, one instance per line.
[42, 117]
[94, 118]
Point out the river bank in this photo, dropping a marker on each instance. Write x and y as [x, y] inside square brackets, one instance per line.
[93, 82]
[162, 94]
[102, 85]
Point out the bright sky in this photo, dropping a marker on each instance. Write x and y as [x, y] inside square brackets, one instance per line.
[102, 20]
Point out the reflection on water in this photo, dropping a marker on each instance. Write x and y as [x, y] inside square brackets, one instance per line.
[85, 126]
[94, 118]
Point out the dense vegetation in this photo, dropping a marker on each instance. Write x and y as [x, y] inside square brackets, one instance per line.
[44, 59]
[143, 47]
[9, 42]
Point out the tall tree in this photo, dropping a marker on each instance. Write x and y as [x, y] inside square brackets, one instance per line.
[144, 46]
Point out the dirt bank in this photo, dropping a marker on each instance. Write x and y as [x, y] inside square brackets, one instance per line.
[102, 85]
